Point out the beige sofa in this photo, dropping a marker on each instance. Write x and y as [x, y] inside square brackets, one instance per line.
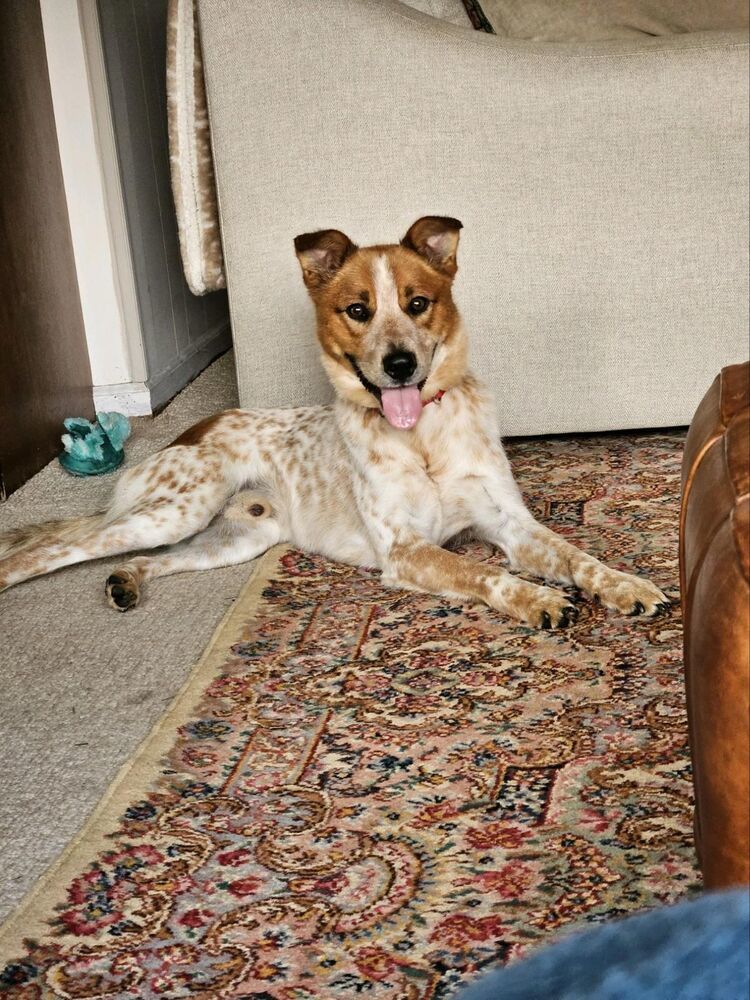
[603, 186]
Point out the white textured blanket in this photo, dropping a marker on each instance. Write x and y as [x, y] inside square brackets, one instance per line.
[190, 153]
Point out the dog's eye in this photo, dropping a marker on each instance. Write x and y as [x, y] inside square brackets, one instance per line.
[358, 312]
[417, 305]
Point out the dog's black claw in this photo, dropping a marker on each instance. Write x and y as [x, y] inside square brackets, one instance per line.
[662, 608]
[546, 620]
[569, 616]
[638, 609]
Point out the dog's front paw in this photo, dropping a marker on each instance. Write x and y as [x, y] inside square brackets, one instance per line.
[543, 607]
[123, 592]
[631, 595]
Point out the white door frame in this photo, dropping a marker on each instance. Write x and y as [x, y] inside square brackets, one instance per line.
[96, 209]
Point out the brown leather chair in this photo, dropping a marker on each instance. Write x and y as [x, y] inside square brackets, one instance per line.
[714, 573]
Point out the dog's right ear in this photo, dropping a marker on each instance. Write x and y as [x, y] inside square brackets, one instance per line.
[321, 254]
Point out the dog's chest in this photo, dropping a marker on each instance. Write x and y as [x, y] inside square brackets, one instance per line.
[450, 486]
[441, 474]
[424, 481]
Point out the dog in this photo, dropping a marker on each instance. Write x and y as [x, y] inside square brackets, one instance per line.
[407, 457]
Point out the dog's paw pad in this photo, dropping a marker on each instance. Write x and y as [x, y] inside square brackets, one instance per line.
[122, 592]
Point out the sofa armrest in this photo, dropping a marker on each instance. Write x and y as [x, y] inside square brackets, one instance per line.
[715, 591]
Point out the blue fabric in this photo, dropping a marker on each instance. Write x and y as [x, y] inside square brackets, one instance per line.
[697, 950]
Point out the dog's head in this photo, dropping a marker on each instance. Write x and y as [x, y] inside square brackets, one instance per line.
[390, 333]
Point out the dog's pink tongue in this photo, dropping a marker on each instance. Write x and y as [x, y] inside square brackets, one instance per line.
[402, 407]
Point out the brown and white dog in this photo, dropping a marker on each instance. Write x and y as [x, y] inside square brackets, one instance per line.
[408, 456]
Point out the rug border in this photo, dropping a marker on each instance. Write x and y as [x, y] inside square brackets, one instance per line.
[29, 918]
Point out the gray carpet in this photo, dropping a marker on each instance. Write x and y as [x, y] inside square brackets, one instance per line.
[81, 684]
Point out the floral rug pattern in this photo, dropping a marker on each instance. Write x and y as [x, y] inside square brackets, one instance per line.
[382, 793]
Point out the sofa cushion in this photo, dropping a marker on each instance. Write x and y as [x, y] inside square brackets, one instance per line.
[453, 11]
[582, 20]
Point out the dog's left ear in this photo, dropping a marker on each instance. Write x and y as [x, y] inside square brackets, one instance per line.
[436, 239]
[321, 254]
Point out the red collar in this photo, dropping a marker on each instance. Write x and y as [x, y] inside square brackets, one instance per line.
[435, 399]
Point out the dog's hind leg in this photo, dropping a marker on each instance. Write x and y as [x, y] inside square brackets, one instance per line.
[247, 527]
[48, 531]
[143, 529]
[164, 500]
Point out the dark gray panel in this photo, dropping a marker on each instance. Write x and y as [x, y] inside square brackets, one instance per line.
[180, 330]
[44, 364]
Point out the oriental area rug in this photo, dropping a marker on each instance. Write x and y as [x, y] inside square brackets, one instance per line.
[365, 792]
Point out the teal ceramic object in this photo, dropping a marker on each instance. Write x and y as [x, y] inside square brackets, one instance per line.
[92, 449]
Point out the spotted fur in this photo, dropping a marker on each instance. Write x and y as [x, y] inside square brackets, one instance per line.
[340, 480]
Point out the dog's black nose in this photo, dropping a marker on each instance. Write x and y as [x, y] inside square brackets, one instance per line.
[400, 365]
